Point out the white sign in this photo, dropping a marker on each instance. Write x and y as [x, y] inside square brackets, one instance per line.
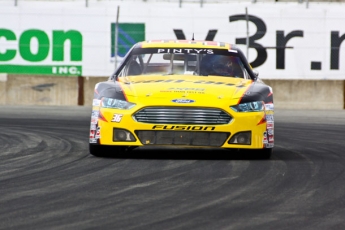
[287, 40]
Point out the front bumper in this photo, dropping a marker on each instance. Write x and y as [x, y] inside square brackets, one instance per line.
[107, 125]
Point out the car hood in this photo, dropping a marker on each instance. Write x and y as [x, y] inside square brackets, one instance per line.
[184, 89]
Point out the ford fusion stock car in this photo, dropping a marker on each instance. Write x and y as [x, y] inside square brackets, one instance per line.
[183, 93]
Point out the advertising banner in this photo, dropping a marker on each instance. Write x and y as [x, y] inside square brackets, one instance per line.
[281, 41]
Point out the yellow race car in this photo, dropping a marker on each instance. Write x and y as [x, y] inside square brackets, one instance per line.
[182, 93]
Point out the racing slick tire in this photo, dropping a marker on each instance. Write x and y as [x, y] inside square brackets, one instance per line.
[106, 150]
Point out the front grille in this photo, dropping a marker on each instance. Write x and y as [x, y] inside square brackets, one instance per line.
[214, 139]
[182, 115]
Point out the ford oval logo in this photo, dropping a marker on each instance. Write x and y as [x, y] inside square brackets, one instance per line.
[183, 101]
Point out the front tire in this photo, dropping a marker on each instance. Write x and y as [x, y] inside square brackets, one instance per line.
[106, 150]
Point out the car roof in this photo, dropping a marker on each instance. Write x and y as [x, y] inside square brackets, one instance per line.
[185, 44]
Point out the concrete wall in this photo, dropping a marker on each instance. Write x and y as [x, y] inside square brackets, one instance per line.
[39, 90]
[308, 94]
[3, 80]
[49, 90]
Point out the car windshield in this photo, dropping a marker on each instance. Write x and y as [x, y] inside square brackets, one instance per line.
[184, 64]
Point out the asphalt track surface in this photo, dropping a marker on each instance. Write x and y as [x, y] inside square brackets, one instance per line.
[48, 180]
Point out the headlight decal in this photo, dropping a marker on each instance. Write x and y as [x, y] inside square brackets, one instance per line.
[254, 106]
[116, 103]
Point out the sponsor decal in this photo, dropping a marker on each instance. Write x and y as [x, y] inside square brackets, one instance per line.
[270, 125]
[92, 133]
[187, 81]
[269, 112]
[186, 89]
[184, 127]
[117, 118]
[37, 49]
[269, 134]
[183, 101]
[264, 140]
[94, 120]
[95, 113]
[96, 102]
[269, 106]
[98, 133]
[186, 51]
[269, 118]
[269, 145]
[93, 127]
[93, 140]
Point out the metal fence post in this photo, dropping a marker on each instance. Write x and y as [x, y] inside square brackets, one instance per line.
[247, 38]
[116, 35]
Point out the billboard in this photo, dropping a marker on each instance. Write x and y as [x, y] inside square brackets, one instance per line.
[32, 48]
[285, 40]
